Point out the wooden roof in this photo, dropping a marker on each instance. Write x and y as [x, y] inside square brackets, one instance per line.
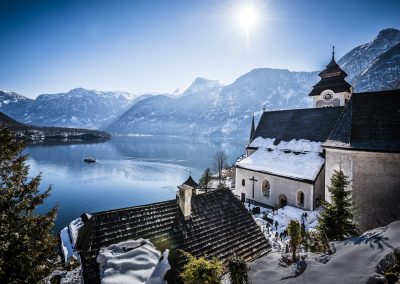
[219, 226]
[333, 78]
[370, 121]
[314, 124]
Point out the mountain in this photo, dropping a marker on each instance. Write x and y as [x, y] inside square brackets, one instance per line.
[383, 73]
[14, 104]
[163, 114]
[357, 63]
[227, 111]
[207, 108]
[37, 134]
[78, 108]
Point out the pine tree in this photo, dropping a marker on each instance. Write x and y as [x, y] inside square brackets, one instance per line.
[26, 242]
[294, 231]
[336, 221]
[205, 179]
[238, 270]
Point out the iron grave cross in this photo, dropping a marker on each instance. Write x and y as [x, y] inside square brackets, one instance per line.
[253, 180]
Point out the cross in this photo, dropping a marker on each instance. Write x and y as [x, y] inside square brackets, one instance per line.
[253, 180]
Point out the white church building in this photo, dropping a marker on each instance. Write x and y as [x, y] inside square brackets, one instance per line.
[292, 154]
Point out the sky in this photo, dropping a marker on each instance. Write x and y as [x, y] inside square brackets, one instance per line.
[159, 46]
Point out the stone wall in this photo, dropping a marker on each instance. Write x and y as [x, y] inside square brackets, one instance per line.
[375, 182]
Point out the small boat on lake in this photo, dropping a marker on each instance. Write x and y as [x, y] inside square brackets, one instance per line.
[89, 159]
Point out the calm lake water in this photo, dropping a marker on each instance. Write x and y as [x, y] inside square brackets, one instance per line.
[129, 171]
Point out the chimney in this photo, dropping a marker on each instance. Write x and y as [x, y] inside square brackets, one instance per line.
[185, 193]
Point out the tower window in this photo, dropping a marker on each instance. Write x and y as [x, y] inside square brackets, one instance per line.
[243, 182]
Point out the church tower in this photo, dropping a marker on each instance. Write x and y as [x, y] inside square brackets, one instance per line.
[332, 90]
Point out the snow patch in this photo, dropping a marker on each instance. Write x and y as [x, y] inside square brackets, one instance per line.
[297, 158]
[132, 261]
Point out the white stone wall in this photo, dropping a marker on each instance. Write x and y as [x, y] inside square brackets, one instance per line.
[340, 96]
[375, 183]
[278, 185]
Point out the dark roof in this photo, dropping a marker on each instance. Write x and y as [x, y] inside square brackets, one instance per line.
[313, 124]
[370, 121]
[219, 226]
[333, 78]
[190, 182]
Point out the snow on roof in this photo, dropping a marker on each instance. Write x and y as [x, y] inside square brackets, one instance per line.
[69, 236]
[132, 261]
[262, 142]
[301, 162]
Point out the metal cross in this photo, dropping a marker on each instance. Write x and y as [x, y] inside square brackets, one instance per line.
[253, 180]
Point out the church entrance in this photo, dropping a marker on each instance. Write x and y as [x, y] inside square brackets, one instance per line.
[282, 200]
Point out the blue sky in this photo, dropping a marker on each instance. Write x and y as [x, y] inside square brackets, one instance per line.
[158, 46]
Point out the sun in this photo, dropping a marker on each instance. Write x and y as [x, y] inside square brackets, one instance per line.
[247, 17]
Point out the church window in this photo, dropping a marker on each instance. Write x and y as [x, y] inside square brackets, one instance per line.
[300, 199]
[266, 189]
[243, 182]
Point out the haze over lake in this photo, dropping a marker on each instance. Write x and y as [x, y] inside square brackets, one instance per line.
[129, 171]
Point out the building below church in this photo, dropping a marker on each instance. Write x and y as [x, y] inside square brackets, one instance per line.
[213, 224]
[292, 154]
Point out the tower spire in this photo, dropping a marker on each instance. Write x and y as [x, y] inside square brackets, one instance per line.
[253, 129]
[333, 52]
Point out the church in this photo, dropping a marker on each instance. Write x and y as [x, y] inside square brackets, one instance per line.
[292, 154]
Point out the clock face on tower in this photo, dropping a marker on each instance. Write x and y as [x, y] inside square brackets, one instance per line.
[328, 96]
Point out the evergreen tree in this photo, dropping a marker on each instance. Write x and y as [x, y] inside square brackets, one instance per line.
[205, 179]
[336, 221]
[238, 270]
[294, 231]
[201, 271]
[26, 242]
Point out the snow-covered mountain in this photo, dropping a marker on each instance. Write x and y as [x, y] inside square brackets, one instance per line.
[14, 104]
[207, 107]
[358, 62]
[79, 108]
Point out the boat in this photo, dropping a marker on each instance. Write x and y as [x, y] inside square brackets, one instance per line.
[89, 159]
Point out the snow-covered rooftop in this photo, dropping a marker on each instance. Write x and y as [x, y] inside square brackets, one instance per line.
[297, 159]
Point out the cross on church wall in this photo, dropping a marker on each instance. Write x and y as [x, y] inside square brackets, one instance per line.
[254, 181]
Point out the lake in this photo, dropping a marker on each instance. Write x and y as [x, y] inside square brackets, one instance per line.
[129, 171]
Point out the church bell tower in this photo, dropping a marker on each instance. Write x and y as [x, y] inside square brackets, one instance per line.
[332, 90]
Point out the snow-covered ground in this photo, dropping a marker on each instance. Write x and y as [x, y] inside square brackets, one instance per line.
[132, 261]
[282, 216]
[355, 261]
[295, 158]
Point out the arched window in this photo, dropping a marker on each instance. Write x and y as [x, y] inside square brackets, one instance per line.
[266, 189]
[300, 199]
[243, 182]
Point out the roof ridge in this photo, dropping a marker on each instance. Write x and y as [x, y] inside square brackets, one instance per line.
[133, 207]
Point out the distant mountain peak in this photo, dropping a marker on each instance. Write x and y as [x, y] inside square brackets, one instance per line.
[201, 84]
[388, 32]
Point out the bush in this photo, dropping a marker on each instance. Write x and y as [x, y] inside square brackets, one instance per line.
[201, 271]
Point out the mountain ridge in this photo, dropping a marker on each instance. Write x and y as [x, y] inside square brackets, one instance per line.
[207, 107]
